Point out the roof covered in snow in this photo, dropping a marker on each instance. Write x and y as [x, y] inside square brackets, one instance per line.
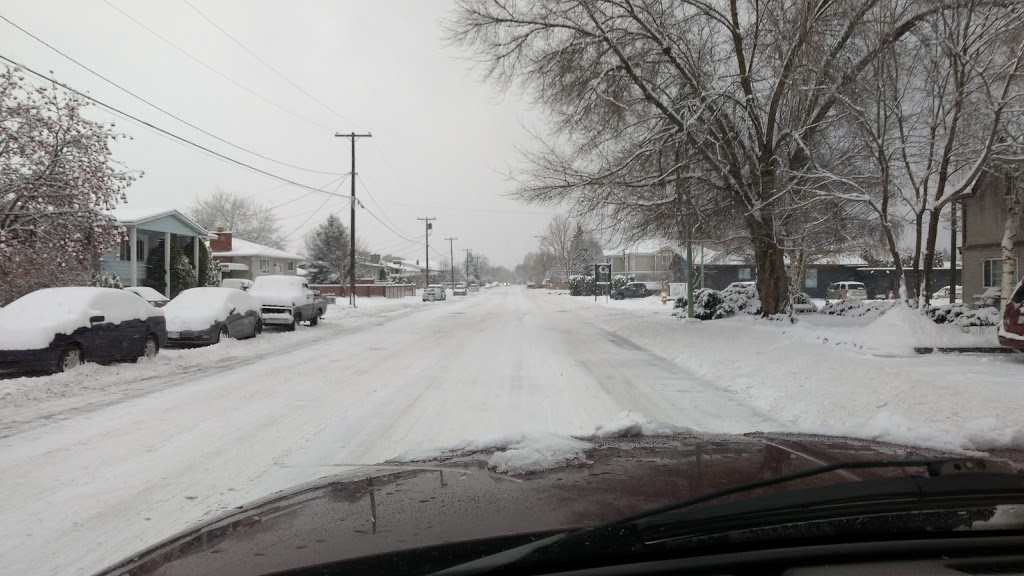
[642, 247]
[139, 216]
[244, 248]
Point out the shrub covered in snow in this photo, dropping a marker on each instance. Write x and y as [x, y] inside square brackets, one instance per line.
[706, 305]
[104, 281]
[621, 280]
[857, 308]
[581, 285]
[740, 298]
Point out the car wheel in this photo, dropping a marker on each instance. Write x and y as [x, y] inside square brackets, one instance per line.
[291, 327]
[222, 334]
[151, 348]
[70, 357]
[314, 320]
[257, 329]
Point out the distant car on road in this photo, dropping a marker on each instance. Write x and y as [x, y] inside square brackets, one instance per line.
[434, 292]
[460, 290]
[1011, 331]
[287, 300]
[846, 291]
[149, 295]
[474, 288]
[236, 283]
[202, 316]
[631, 290]
[57, 329]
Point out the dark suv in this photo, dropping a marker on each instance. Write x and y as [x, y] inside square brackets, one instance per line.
[631, 290]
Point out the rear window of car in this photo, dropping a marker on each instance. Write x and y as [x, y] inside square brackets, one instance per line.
[1018, 294]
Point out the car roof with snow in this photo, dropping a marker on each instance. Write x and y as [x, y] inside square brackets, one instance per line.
[148, 293]
[32, 320]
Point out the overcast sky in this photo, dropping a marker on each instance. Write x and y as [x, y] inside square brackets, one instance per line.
[442, 140]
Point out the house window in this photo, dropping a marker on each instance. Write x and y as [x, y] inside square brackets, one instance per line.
[992, 273]
[265, 265]
[744, 273]
[811, 279]
[291, 266]
[124, 252]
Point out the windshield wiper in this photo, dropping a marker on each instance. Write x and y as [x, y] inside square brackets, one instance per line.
[623, 536]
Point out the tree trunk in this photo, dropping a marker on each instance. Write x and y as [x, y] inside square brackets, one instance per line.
[772, 285]
[925, 282]
[1011, 229]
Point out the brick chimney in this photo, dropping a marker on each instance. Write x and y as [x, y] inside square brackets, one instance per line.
[222, 243]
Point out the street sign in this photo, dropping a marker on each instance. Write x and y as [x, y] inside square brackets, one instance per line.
[602, 273]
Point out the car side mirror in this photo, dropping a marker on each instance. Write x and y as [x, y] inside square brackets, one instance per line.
[97, 319]
[232, 311]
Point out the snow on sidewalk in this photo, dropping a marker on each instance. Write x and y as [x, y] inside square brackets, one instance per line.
[950, 401]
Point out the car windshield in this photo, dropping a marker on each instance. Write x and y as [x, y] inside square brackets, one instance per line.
[541, 244]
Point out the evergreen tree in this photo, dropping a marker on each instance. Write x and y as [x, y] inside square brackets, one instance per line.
[327, 248]
[183, 275]
[209, 269]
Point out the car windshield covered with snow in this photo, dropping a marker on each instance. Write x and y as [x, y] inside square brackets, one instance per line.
[737, 287]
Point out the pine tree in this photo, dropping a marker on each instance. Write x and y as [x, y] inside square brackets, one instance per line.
[209, 269]
[183, 275]
[328, 248]
[155, 271]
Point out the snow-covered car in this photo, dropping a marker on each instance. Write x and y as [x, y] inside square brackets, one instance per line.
[434, 292]
[56, 329]
[741, 284]
[474, 287]
[287, 300]
[149, 295]
[631, 290]
[846, 291]
[236, 283]
[200, 316]
[943, 293]
[460, 290]
[989, 298]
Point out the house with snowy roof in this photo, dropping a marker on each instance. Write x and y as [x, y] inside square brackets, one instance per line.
[151, 235]
[247, 260]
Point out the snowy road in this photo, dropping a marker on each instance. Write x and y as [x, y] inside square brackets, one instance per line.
[115, 475]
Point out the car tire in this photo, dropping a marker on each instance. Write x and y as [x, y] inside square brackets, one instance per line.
[291, 327]
[70, 357]
[314, 320]
[150, 348]
[257, 329]
[222, 334]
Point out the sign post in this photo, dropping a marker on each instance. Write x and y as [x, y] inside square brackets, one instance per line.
[602, 276]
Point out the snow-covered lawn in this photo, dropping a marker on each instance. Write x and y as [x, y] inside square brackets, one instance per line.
[838, 375]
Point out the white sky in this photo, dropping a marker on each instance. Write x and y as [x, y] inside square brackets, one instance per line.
[442, 140]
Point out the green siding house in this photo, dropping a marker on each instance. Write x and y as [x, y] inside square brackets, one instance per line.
[150, 230]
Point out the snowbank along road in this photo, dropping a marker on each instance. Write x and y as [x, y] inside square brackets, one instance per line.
[116, 472]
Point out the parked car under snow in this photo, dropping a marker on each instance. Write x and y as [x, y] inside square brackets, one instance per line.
[56, 329]
[149, 295]
[201, 316]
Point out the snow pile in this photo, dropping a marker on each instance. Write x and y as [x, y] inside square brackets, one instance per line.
[857, 308]
[513, 453]
[31, 322]
[629, 424]
[538, 453]
[200, 308]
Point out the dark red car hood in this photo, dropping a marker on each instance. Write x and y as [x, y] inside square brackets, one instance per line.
[383, 509]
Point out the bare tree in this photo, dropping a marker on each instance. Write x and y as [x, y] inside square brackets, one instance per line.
[748, 88]
[241, 214]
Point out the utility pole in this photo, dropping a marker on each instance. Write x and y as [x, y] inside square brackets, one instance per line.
[352, 225]
[426, 234]
[451, 253]
[469, 254]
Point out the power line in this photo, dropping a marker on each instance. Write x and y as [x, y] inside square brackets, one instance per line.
[166, 133]
[375, 203]
[151, 105]
[268, 66]
[211, 68]
[343, 177]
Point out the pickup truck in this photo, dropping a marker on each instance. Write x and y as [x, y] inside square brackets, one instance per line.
[287, 300]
